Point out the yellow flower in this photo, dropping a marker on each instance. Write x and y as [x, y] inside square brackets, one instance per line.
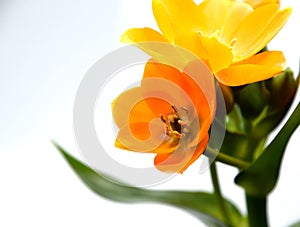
[226, 34]
[171, 120]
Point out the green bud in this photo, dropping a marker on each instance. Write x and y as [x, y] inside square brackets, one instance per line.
[252, 99]
[283, 88]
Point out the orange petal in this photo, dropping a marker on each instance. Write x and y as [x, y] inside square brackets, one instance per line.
[257, 68]
[176, 87]
[257, 29]
[174, 17]
[145, 137]
[130, 107]
[181, 159]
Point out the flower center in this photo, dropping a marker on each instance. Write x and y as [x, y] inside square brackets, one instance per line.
[175, 126]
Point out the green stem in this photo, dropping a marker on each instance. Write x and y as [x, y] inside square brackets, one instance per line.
[218, 193]
[257, 212]
[221, 157]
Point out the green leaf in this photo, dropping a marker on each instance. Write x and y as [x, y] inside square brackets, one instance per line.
[201, 204]
[261, 176]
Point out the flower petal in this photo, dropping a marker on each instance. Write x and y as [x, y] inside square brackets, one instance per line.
[130, 107]
[236, 14]
[135, 35]
[181, 159]
[181, 89]
[174, 17]
[258, 3]
[257, 68]
[257, 29]
[210, 50]
[219, 55]
[157, 46]
[139, 128]
[211, 15]
[192, 42]
[145, 137]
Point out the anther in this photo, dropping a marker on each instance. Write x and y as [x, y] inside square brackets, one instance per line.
[177, 134]
[174, 108]
[182, 123]
[162, 118]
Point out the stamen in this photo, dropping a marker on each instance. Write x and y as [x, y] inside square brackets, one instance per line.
[174, 108]
[162, 118]
[232, 42]
[177, 134]
[182, 123]
[215, 35]
[175, 127]
[184, 109]
[185, 130]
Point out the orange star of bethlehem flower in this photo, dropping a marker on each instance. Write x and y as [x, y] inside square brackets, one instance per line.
[168, 114]
[226, 34]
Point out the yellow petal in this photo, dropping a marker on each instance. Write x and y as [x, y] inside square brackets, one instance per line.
[235, 15]
[219, 55]
[271, 58]
[192, 42]
[135, 35]
[257, 68]
[257, 3]
[257, 29]
[174, 17]
[211, 15]
[157, 46]
[214, 53]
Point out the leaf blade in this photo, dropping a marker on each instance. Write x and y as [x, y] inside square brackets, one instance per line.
[260, 178]
[200, 204]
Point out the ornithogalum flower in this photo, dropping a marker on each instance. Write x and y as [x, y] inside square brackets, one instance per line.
[168, 114]
[228, 35]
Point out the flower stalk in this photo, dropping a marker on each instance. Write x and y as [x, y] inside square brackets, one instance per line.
[257, 210]
[218, 193]
[227, 159]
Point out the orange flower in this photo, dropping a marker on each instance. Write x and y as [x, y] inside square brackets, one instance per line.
[226, 34]
[169, 114]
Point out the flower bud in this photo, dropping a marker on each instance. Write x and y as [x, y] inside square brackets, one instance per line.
[251, 98]
[283, 88]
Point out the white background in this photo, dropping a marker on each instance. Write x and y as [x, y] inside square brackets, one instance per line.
[46, 47]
